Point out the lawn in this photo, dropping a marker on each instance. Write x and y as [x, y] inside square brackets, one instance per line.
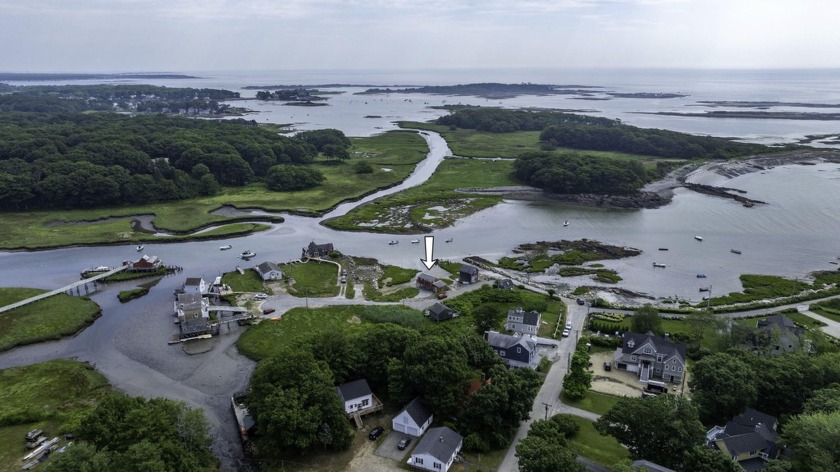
[43, 396]
[49, 319]
[592, 445]
[267, 337]
[312, 279]
[434, 204]
[398, 151]
[250, 281]
[395, 275]
[596, 402]
[828, 308]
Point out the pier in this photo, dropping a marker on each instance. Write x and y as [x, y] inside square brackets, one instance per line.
[64, 289]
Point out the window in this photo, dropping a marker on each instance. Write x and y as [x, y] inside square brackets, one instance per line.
[365, 402]
[679, 369]
[632, 358]
[667, 367]
[418, 460]
[752, 453]
[502, 353]
[630, 343]
[648, 350]
[437, 465]
[659, 357]
[518, 350]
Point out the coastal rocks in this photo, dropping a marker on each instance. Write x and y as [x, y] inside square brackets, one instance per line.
[632, 202]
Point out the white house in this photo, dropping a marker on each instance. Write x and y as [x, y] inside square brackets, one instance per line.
[195, 285]
[523, 322]
[414, 419]
[269, 271]
[437, 450]
[355, 395]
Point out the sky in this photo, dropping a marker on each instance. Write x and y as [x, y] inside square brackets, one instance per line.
[223, 35]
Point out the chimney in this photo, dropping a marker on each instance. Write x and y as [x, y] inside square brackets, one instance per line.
[441, 439]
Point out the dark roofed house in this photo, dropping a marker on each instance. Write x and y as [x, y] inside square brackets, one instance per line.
[414, 419]
[144, 264]
[467, 274]
[437, 450]
[778, 334]
[317, 250]
[520, 352]
[355, 395]
[440, 312]
[269, 271]
[750, 439]
[523, 322]
[426, 282]
[652, 357]
[505, 284]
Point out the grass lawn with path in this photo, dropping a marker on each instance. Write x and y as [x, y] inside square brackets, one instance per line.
[592, 445]
[48, 319]
[312, 279]
[596, 402]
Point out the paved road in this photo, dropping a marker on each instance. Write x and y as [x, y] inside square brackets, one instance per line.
[832, 328]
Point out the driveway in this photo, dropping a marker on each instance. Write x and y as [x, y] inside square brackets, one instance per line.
[388, 447]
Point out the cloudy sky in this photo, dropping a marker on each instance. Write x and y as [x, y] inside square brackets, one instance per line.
[198, 35]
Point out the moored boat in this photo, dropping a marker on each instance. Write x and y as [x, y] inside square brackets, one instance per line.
[699, 238]
[140, 247]
[393, 241]
[658, 264]
[448, 240]
[248, 254]
[663, 249]
[735, 251]
[566, 223]
[225, 247]
[704, 289]
[701, 276]
[415, 241]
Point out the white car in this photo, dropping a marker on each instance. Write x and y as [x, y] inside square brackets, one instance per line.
[566, 333]
[568, 326]
[260, 296]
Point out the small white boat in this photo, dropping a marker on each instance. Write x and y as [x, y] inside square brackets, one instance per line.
[449, 240]
[566, 223]
[699, 238]
[140, 247]
[248, 254]
[393, 241]
[658, 264]
[225, 247]
[415, 241]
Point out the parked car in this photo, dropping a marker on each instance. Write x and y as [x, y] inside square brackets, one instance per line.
[375, 433]
[566, 333]
[344, 279]
[404, 442]
[260, 296]
[580, 301]
[607, 366]
[441, 296]
[268, 311]
[569, 325]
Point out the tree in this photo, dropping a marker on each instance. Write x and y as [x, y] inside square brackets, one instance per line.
[660, 429]
[722, 385]
[814, 438]
[285, 177]
[292, 397]
[646, 319]
[487, 317]
[546, 448]
[704, 459]
[824, 400]
[578, 380]
[363, 167]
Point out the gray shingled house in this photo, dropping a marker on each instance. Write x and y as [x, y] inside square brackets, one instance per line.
[520, 352]
[523, 322]
[652, 357]
[437, 450]
[749, 439]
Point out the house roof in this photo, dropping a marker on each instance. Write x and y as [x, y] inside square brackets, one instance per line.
[439, 308]
[320, 247]
[468, 269]
[193, 281]
[427, 278]
[752, 417]
[355, 389]
[417, 410]
[632, 342]
[441, 443]
[439, 284]
[506, 283]
[531, 318]
[505, 341]
[266, 267]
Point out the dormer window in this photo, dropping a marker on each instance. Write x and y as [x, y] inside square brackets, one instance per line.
[631, 343]
[648, 350]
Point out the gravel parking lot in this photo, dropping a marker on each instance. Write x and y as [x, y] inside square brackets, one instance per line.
[388, 448]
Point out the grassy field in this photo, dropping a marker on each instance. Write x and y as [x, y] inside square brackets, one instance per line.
[398, 151]
[601, 449]
[395, 275]
[250, 281]
[372, 294]
[52, 318]
[829, 309]
[43, 396]
[596, 402]
[434, 204]
[128, 295]
[268, 337]
[312, 279]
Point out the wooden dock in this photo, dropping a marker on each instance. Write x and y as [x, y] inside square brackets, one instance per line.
[57, 291]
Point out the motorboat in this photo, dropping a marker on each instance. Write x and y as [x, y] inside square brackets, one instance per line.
[392, 242]
[735, 251]
[701, 276]
[415, 241]
[248, 254]
[449, 240]
[704, 289]
[663, 249]
[140, 247]
[225, 247]
[566, 223]
[699, 238]
[658, 264]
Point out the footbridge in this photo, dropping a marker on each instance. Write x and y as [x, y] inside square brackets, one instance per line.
[64, 289]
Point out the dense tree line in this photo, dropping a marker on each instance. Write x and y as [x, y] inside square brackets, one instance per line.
[597, 133]
[574, 173]
[497, 120]
[295, 406]
[547, 449]
[292, 95]
[123, 92]
[138, 435]
[86, 160]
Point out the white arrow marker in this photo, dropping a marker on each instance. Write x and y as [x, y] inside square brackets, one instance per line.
[429, 261]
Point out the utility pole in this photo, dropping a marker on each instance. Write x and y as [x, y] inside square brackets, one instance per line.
[709, 300]
[546, 409]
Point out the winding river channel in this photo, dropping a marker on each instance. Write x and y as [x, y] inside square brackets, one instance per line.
[795, 233]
